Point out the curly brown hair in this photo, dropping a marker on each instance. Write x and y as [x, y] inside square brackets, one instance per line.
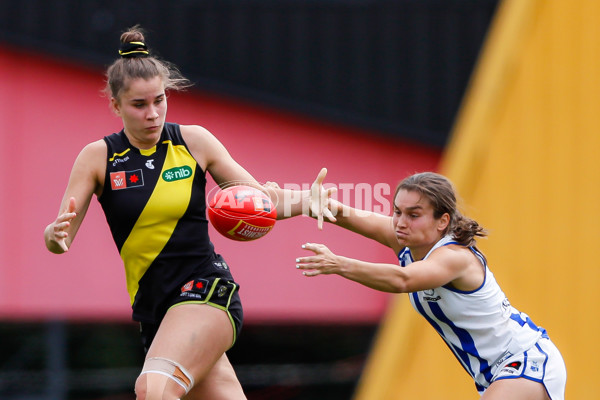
[441, 195]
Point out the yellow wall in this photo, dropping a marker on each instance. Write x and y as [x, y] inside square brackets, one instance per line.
[524, 156]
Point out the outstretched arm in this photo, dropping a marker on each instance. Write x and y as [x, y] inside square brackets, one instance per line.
[214, 158]
[85, 180]
[445, 265]
[313, 202]
[369, 224]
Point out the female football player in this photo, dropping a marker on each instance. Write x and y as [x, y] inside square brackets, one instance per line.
[449, 283]
[150, 180]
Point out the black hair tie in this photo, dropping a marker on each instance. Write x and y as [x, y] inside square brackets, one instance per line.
[133, 49]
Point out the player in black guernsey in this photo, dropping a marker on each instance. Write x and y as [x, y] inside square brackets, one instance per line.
[150, 181]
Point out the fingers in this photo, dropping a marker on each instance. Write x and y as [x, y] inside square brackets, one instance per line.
[321, 176]
[326, 210]
[315, 247]
[62, 223]
[316, 199]
[311, 265]
[69, 212]
[271, 185]
[63, 244]
[320, 221]
[319, 200]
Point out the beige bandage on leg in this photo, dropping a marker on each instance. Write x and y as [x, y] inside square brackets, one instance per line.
[170, 369]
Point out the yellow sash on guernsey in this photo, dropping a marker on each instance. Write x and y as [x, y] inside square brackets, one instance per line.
[156, 223]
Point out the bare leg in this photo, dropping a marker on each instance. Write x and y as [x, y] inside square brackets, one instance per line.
[221, 383]
[515, 389]
[193, 335]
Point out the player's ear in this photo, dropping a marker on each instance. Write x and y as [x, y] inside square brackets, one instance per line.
[443, 222]
[115, 106]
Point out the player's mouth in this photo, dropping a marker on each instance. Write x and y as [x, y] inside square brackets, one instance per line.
[401, 235]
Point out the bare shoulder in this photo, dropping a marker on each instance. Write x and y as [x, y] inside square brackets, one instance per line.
[453, 255]
[468, 270]
[193, 134]
[94, 152]
[90, 165]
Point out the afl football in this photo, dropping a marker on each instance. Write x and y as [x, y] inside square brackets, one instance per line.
[242, 213]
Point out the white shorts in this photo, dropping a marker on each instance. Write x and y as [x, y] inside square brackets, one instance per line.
[541, 363]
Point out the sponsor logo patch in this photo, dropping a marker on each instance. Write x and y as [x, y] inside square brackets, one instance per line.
[177, 173]
[512, 368]
[429, 295]
[195, 288]
[187, 287]
[126, 179]
[220, 264]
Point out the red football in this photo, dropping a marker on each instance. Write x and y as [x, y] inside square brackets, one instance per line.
[242, 213]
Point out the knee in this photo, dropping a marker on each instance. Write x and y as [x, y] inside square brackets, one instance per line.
[156, 389]
[162, 379]
[140, 388]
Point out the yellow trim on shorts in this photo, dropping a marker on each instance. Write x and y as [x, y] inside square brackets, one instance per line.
[209, 303]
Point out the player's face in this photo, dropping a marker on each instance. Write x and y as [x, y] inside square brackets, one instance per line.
[414, 223]
[143, 108]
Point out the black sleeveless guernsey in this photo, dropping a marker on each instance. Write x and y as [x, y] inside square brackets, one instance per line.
[154, 201]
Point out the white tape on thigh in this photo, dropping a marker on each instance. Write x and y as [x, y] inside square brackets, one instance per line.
[170, 369]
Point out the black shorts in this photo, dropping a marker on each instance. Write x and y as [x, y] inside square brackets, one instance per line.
[216, 292]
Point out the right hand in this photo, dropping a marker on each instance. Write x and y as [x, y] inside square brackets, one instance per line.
[319, 200]
[57, 230]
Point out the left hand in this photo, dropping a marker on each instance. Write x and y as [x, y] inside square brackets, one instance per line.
[323, 262]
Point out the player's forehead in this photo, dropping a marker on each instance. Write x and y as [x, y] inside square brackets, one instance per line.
[144, 89]
[411, 200]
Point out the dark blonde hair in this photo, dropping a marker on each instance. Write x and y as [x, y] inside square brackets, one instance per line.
[441, 195]
[140, 64]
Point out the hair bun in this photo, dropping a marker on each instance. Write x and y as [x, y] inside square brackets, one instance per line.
[133, 49]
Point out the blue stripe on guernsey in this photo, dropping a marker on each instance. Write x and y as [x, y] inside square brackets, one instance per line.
[402, 257]
[460, 355]
[527, 321]
[466, 341]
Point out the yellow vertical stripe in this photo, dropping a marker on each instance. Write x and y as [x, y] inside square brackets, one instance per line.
[156, 223]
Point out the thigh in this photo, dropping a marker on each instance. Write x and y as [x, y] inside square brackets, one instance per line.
[220, 383]
[515, 389]
[541, 366]
[195, 336]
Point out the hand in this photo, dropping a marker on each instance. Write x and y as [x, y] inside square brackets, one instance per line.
[57, 229]
[319, 199]
[271, 185]
[323, 262]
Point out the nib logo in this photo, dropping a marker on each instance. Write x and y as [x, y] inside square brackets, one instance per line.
[177, 173]
[126, 179]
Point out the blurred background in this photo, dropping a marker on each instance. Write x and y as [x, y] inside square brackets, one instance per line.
[500, 95]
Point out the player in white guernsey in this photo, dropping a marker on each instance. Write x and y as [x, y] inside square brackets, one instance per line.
[450, 284]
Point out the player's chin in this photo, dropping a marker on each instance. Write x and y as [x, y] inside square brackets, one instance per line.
[403, 241]
[402, 238]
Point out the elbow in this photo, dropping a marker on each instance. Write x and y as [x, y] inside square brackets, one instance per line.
[400, 282]
[398, 285]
